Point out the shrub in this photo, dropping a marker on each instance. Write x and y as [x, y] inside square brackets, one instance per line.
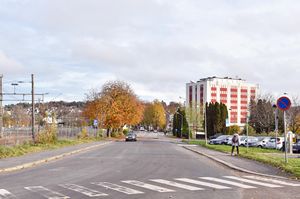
[125, 131]
[233, 129]
[83, 134]
[47, 135]
[251, 130]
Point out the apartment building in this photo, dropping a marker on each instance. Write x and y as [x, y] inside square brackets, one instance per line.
[236, 93]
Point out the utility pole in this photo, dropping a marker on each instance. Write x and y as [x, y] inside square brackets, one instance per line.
[1, 109]
[33, 108]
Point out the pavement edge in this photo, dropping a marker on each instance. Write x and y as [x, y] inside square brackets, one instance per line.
[234, 167]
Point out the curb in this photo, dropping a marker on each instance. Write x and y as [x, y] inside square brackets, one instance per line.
[50, 159]
[231, 166]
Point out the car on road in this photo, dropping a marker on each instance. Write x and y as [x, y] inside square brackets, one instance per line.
[273, 143]
[296, 147]
[131, 137]
[262, 141]
[219, 140]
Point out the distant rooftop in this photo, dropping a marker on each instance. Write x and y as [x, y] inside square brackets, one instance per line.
[214, 77]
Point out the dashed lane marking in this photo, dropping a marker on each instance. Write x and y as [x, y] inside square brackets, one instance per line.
[148, 186]
[175, 184]
[83, 190]
[228, 182]
[272, 181]
[118, 188]
[4, 194]
[206, 184]
[253, 182]
[47, 193]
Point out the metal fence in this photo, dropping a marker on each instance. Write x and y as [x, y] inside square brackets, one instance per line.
[18, 135]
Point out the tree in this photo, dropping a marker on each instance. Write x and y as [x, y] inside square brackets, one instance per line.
[216, 118]
[154, 115]
[115, 106]
[180, 129]
[293, 116]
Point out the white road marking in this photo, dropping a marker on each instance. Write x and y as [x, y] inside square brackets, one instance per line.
[117, 188]
[4, 194]
[253, 182]
[148, 186]
[272, 181]
[175, 184]
[228, 182]
[215, 186]
[83, 190]
[47, 193]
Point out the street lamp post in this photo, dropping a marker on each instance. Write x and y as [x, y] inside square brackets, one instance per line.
[205, 123]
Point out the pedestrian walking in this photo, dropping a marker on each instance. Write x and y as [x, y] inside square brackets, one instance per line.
[235, 143]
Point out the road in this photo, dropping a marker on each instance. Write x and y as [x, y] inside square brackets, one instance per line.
[151, 168]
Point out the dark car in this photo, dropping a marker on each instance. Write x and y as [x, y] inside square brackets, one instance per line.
[219, 140]
[131, 137]
[296, 147]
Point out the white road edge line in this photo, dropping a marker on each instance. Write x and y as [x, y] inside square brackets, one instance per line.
[148, 186]
[272, 181]
[253, 182]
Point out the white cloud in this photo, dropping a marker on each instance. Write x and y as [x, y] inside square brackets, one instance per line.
[156, 45]
[9, 65]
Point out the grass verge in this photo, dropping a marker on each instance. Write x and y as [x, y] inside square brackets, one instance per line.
[19, 150]
[267, 156]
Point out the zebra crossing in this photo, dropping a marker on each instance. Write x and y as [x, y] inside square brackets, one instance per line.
[133, 187]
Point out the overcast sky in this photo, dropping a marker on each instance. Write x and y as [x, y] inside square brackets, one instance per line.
[157, 46]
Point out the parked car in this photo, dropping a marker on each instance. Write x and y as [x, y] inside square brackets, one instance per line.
[219, 140]
[228, 140]
[131, 137]
[243, 140]
[296, 147]
[272, 143]
[262, 141]
[251, 141]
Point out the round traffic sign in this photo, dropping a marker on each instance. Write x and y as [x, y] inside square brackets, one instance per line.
[284, 103]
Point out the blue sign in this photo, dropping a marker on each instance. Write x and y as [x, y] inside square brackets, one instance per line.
[284, 103]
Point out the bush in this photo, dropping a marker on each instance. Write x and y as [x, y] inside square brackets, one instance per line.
[125, 131]
[83, 134]
[233, 129]
[251, 130]
[48, 135]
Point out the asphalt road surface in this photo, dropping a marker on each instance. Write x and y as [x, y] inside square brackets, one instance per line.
[153, 167]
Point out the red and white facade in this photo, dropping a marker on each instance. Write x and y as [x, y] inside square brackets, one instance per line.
[236, 94]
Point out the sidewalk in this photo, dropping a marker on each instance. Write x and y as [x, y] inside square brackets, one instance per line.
[33, 159]
[238, 163]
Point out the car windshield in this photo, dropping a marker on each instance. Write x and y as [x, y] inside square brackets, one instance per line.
[222, 137]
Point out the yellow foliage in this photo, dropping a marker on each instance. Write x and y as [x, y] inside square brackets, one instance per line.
[115, 106]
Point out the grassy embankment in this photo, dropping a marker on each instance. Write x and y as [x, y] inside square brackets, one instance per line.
[268, 156]
[19, 150]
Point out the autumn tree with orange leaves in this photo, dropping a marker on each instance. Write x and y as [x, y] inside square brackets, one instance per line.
[115, 106]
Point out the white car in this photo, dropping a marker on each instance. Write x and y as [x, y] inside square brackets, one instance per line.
[272, 145]
[262, 141]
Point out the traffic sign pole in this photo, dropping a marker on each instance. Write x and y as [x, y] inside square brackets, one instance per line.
[285, 148]
[284, 103]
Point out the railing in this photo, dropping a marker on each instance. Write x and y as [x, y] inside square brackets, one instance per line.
[18, 135]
